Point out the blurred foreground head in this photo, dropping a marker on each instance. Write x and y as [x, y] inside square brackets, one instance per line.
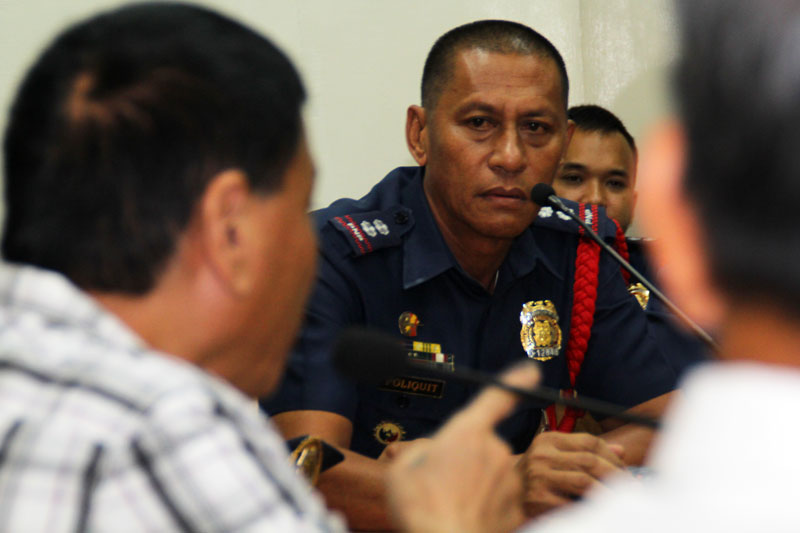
[155, 156]
[738, 89]
[120, 125]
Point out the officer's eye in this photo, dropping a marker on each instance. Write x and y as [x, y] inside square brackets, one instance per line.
[478, 122]
[617, 184]
[535, 126]
[571, 179]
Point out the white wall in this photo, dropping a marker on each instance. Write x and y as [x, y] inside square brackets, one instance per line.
[362, 61]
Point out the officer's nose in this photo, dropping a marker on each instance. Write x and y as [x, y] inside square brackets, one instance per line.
[508, 154]
[594, 193]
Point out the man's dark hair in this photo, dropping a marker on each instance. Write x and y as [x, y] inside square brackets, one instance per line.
[592, 117]
[500, 36]
[738, 87]
[118, 128]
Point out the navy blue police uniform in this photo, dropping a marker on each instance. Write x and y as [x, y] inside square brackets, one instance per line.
[384, 264]
[681, 348]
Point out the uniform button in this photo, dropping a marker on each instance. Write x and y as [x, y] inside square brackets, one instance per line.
[403, 401]
[400, 217]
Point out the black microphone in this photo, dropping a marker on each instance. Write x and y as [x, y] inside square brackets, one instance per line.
[544, 195]
[368, 356]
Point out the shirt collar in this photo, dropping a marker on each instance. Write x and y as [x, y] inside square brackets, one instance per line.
[426, 255]
[525, 253]
[54, 297]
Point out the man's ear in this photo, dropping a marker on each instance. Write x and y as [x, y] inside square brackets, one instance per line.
[570, 131]
[224, 226]
[679, 248]
[567, 138]
[417, 134]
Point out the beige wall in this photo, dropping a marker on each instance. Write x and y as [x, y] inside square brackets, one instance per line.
[362, 60]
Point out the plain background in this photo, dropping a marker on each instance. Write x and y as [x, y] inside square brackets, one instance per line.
[362, 61]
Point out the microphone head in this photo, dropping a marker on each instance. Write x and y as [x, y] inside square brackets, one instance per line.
[541, 194]
[369, 356]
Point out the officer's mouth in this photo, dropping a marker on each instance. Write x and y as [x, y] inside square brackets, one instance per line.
[506, 197]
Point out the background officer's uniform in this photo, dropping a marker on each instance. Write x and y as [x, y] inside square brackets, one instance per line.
[681, 347]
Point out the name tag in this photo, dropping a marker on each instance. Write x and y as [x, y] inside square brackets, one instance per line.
[432, 388]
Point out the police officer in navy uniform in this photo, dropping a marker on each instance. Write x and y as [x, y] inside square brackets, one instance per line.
[447, 256]
[600, 168]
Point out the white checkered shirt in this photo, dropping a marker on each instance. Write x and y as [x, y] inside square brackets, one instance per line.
[99, 433]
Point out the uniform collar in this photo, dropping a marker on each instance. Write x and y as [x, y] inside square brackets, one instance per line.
[524, 255]
[426, 255]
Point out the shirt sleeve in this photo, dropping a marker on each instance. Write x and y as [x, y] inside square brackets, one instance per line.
[197, 470]
[624, 363]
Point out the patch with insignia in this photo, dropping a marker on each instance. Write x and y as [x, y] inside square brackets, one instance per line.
[547, 212]
[367, 232]
[423, 352]
[557, 220]
[388, 432]
[540, 334]
[408, 323]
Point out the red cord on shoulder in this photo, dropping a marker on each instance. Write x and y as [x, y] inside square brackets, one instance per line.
[584, 298]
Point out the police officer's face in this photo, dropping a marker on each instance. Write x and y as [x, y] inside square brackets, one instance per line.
[599, 168]
[498, 128]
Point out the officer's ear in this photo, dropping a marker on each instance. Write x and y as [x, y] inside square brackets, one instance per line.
[667, 215]
[417, 134]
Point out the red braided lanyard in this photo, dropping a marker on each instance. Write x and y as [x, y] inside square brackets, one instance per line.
[621, 245]
[584, 296]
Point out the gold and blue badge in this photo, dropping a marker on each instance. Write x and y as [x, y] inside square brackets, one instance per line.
[388, 432]
[540, 334]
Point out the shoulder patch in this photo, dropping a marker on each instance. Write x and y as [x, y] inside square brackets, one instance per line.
[555, 219]
[368, 232]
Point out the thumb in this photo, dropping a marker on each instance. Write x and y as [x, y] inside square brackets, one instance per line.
[494, 404]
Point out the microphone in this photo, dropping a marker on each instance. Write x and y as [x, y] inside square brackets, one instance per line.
[368, 356]
[544, 195]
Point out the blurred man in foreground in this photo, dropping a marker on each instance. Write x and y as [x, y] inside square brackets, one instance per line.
[722, 192]
[150, 155]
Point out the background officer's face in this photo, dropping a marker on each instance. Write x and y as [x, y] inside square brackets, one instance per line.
[498, 128]
[599, 168]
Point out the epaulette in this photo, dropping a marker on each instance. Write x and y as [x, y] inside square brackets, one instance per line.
[555, 219]
[639, 242]
[374, 230]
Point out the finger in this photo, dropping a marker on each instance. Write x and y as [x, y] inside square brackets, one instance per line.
[567, 484]
[556, 461]
[618, 449]
[577, 442]
[534, 505]
[494, 404]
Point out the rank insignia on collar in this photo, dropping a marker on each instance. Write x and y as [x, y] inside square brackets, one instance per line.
[641, 293]
[408, 323]
[540, 334]
[388, 432]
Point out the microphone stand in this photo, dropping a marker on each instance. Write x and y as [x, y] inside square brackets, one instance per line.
[556, 202]
[545, 394]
